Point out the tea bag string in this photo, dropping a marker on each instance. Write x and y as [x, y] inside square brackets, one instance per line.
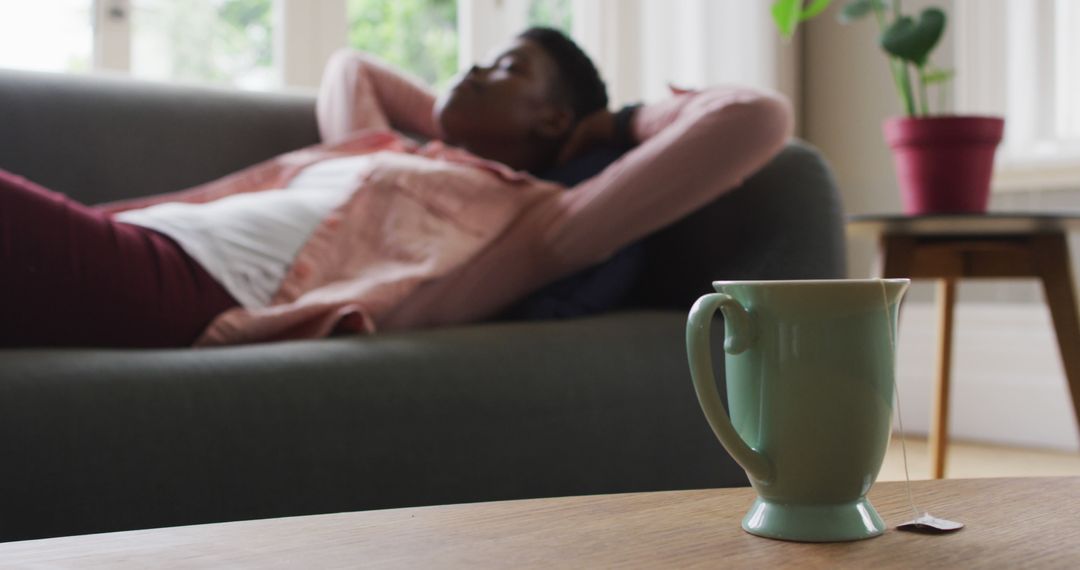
[896, 395]
[924, 522]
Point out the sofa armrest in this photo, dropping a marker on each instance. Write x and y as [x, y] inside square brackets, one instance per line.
[100, 139]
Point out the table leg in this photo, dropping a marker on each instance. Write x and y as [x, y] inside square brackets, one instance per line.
[939, 418]
[1051, 254]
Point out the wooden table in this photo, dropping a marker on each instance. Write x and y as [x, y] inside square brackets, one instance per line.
[1011, 523]
[994, 245]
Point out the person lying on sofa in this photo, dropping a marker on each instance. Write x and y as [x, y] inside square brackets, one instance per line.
[373, 231]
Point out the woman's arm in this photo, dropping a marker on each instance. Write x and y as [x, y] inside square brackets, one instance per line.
[359, 91]
[694, 147]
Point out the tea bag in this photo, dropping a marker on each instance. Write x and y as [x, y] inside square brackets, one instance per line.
[929, 524]
[924, 523]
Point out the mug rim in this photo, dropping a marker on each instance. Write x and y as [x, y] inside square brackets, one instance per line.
[780, 282]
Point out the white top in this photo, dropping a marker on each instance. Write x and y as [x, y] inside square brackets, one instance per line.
[247, 242]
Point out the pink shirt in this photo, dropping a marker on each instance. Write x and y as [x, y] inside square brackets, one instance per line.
[437, 236]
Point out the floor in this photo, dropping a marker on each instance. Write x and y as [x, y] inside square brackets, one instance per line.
[971, 460]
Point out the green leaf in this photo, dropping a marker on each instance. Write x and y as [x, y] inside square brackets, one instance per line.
[816, 7]
[912, 40]
[933, 76]
[786, 15]
[859, 8]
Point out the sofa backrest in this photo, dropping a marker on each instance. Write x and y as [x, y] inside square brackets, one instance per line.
[100, 139]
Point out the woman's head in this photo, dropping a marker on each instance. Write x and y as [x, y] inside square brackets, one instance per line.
[521, 107]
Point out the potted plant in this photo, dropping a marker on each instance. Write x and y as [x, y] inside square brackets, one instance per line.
[943, 162]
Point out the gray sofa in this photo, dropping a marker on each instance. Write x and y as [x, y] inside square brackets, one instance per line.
[99, 440]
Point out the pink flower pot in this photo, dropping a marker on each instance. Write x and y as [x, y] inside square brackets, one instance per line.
[944, 164]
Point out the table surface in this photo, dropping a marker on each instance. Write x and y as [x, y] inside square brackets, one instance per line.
[1011, 523]
[990, 223]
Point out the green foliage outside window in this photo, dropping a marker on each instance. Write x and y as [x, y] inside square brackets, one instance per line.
[230, 41]
[220, 41]
[247, 26]
[417, 35]
[552, 13]
[421, 35]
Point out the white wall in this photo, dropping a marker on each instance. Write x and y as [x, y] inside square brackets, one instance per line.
[1008, 384]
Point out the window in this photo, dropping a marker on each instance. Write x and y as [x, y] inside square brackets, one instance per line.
[263, 44]
[556, 14]
[418, 35]
[1019, 58]
[47, 36]
[208, 41]
[422, 35]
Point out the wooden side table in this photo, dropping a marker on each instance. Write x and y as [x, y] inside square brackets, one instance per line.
[993, 245]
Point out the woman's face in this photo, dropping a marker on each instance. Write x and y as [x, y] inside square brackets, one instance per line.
[509, 100]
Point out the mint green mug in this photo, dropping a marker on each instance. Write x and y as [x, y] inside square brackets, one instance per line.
[810, 387]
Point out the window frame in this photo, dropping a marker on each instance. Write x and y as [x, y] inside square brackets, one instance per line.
[112, 35]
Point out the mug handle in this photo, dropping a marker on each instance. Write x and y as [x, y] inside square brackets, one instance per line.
[739, 337]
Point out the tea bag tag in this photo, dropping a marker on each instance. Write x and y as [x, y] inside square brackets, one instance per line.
[929, 524]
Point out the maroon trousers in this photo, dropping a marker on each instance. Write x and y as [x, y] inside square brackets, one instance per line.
[71, 276]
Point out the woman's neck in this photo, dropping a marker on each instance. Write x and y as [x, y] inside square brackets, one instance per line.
[532, 157]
